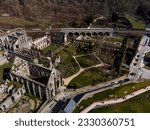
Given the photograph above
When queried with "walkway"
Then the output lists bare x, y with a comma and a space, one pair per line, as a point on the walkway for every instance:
115, 101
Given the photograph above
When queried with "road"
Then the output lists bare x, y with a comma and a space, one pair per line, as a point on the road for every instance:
137, 69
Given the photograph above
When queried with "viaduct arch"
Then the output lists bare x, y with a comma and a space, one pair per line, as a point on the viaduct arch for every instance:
87, 31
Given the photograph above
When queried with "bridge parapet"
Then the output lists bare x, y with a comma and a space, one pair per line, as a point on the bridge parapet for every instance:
87, 30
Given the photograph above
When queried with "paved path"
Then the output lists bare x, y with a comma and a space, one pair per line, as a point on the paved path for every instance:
115, 101
137, 69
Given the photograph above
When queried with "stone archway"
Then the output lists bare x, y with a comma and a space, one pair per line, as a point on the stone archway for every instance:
94, 34
82, 33
88, 34
12, 99
76, 34
100, 34
106, 34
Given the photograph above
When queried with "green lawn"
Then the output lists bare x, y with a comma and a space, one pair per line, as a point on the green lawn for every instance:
136, 24
68, 66
68, 50
16, 84
71, 50
116, 92
89, 77
32, 97
8, 65
138, 104
88, 60
52, 47
63, 54
114, 39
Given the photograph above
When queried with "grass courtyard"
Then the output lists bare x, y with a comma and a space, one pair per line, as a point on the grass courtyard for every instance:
89, 77
52, 47
16, 84
68, 66
112, 93
88, 60
138, 104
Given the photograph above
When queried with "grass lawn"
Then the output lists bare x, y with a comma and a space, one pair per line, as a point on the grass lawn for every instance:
52, 47
71, 50
116, 92
136, 24
32, 97
8, 65
68, 66
63, 54
114, 39
89, 77
138, 104
16, 84
88, 60
68, 50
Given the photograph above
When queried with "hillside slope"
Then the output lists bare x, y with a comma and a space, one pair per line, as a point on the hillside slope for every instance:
66, 11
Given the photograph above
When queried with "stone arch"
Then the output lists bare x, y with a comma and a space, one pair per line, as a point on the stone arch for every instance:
70, 34
82, 33
76, 33
106, 34
17, 46
88, 34
94, 34
100, 34
13, 99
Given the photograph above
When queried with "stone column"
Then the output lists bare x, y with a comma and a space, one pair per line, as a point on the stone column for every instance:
39, 89
28, 87
33, 86
65, 38
47, 94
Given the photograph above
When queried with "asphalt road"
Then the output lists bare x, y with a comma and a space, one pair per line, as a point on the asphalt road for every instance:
137, 66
